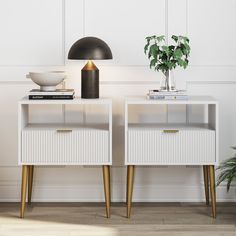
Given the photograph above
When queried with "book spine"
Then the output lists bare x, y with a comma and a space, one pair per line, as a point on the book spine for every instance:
166, 94
50, 93
156, 92
167, 97
53, 97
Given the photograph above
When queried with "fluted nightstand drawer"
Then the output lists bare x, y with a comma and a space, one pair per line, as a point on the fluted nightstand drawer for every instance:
65, 146
171, 146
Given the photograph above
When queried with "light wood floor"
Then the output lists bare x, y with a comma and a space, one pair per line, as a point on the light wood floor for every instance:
49, 219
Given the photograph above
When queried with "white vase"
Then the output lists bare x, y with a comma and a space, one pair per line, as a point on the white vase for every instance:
168, 82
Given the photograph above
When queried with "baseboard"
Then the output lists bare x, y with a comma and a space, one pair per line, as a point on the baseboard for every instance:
10, 192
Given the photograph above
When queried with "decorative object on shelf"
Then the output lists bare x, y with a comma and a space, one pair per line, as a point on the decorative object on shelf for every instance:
37, 94
165, 58
47, 80
90, 48
167, 95
227, 171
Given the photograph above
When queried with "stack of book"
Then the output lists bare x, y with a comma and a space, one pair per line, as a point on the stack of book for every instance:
167, 95
37, 94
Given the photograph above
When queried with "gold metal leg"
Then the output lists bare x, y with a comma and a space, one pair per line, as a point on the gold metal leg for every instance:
130, 181
206, 183
109, 174
30, 182
106, 180
127, 186
23, 190
213, 190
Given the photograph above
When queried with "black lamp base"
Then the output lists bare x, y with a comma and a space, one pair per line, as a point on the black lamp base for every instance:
90, 81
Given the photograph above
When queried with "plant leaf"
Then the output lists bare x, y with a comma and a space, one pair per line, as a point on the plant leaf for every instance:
175, 38
153, 63
146, 48
160, 38
227, 173
154, 50
178, 53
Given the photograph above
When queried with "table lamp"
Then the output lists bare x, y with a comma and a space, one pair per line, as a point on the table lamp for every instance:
90, 48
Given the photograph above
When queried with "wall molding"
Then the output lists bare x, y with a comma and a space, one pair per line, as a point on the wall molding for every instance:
125, 82
167, 20
63, 32
211, 82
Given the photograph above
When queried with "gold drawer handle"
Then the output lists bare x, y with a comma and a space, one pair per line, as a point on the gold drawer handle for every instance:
64, 130
170, 131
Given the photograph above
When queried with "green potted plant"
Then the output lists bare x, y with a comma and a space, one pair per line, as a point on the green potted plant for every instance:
227, 171
165, 58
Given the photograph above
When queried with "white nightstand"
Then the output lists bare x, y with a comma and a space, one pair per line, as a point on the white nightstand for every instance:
173, 144
63, 143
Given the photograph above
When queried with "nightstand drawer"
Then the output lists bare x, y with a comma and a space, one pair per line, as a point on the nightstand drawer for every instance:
65, 146
153, 146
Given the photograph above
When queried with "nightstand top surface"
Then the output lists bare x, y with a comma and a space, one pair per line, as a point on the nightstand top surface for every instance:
76, 100
190, 100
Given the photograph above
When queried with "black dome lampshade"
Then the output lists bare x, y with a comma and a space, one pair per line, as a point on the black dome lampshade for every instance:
90, 48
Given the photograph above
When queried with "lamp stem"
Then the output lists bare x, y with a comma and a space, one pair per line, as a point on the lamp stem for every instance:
90, 81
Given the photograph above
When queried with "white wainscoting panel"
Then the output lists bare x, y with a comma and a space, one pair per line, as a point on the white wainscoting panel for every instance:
210, 74
212, 31
32, 32
36, 35
129, 22
177, 18
225, 93
9, 96
17, 74
74, 22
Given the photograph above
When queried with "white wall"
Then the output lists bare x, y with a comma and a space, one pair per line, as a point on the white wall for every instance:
36, 35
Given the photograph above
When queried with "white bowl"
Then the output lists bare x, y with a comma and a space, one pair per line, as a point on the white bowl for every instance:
47, 80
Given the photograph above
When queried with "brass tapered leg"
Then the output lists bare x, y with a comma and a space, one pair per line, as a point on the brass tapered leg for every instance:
106, 180
206, 183
130, 181
30, 182
213, 190
109, 175
23, 190
127, 186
